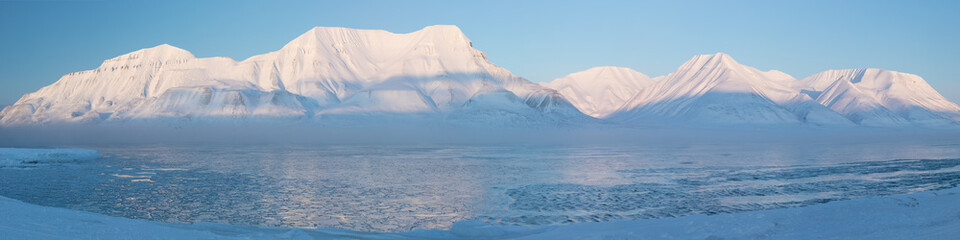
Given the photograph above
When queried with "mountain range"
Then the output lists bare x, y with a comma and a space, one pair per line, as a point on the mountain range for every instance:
351, 76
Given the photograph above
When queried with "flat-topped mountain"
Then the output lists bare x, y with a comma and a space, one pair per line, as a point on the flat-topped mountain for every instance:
324, 72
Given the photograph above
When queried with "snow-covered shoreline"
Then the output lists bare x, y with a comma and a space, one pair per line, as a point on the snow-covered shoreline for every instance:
923, 215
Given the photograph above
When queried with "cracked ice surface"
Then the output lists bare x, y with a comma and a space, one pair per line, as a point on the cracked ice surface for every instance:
725, 191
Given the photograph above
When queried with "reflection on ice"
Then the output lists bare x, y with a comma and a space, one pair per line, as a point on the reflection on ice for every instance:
400, 188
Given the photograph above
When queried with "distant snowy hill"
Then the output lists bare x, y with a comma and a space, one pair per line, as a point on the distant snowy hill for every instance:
879, 97
715, 88
432, 73
600, 91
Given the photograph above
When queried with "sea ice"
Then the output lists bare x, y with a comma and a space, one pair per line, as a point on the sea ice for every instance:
23, 157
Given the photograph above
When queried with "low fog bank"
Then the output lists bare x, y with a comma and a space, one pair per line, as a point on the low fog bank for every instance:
305, 134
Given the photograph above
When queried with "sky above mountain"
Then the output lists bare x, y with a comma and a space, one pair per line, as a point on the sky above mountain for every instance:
539, 40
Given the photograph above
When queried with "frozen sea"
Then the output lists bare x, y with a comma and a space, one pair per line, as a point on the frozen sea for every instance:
394, 188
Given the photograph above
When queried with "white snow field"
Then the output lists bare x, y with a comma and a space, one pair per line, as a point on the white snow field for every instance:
337, 76
24, 157
924, 215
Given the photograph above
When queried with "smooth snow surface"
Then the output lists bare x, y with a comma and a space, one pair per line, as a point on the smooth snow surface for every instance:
22, 157
926, 215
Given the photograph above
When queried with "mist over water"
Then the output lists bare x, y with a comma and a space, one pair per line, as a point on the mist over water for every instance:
406, 133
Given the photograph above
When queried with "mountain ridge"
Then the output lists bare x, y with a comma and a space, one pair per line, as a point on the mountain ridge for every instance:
715, 88
880, 97
435, 73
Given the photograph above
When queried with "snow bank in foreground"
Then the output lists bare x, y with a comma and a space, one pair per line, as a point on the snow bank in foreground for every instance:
925, 215
24, 157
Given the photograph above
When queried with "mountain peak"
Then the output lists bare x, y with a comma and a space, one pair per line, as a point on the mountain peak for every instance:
351, 36
599, 91
707, 63
717, 58
166, 49
608, 68
607, 73
322, 36
861, 76
904, 96
718, 54
165, 46
442, 28
445, 33
431, 28
162, 52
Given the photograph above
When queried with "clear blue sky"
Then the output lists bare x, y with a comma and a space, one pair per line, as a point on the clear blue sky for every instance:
539, 40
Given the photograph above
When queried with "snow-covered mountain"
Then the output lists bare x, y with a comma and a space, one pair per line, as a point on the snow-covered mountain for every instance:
715, 88
326, 71
340, 75
600, 91
870, 96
